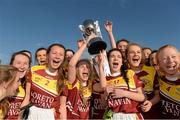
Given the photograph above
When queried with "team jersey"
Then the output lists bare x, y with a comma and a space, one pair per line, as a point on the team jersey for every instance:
43, 91
124, 105
38, 67
154, 112
98, 104
15, 103
170, 98
147, 75
76, 108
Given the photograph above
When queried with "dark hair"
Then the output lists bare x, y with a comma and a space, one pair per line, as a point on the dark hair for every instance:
122, 40
147, 60
39, 49
27, 51
124, 66
70, 50
19, 53
150, 60
154, 51
147, 48
112, 50
23, 51
23, 80
55, 44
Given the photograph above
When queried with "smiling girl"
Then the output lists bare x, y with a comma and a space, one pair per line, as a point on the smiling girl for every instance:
168, 59
124, 89
44, 87
79, 85
147, 75
21, 61
9, 83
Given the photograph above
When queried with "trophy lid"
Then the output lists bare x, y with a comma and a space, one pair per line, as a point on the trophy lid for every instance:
88, 22
96, 45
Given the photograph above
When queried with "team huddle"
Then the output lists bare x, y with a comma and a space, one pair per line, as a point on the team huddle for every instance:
143, 84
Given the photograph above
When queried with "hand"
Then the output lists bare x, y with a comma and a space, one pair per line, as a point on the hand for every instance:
101, 58
109, 89
80, 43
118, 93
108, 26
146, 106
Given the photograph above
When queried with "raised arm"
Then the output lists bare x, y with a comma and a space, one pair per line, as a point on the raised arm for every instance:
75, 58
102, 76
108, 26
73, 62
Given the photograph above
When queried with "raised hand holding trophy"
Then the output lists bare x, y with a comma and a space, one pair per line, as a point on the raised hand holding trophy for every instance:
96, 43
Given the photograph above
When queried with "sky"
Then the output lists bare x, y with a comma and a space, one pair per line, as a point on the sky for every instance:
30, 24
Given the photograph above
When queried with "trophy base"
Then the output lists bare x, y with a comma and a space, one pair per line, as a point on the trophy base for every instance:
96, 45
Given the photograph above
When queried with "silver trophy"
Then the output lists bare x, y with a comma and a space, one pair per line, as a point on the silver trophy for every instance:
96, 44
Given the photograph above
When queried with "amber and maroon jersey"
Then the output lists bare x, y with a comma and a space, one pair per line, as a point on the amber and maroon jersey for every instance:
15, 103
44, 92
98, 104
147, 75
170, 98
76, 109
124, 105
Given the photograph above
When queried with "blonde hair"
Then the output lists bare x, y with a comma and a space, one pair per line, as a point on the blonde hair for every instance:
7, 73
90, 79
162, 48
4, 107
87, 62
62, 76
